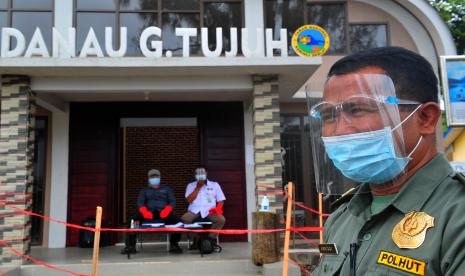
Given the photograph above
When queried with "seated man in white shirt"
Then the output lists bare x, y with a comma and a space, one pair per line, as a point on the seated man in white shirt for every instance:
206, 200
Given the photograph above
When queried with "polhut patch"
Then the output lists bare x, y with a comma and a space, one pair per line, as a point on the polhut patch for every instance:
403, 263
410, 232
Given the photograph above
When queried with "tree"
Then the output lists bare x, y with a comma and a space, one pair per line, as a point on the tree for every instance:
453, 13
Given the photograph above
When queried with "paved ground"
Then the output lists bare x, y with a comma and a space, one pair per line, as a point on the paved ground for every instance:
151, 260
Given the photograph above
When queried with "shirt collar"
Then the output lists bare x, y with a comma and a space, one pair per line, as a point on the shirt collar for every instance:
422, 184
360, 201
414, 192
207, 182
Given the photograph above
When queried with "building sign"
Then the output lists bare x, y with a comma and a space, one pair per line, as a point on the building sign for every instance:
453, 82
150, 43
310, 41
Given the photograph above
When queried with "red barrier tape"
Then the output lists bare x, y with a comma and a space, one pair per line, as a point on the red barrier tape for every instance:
306, 271
18, 201
23, 200
275, 190
307, 229
265, 186
47, 218
2, 242
310, 209
13, 194
281, 193
222, 231
307, 239
17, 240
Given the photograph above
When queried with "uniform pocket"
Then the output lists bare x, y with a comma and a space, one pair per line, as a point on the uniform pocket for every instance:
330, 265
387, 271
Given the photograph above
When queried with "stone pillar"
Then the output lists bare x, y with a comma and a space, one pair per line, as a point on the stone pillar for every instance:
16, 163
267, 142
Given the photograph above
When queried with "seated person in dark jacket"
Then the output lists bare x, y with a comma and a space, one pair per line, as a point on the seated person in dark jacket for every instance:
156, 202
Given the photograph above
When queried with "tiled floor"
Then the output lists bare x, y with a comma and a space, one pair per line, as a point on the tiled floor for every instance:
235, 259
151, 252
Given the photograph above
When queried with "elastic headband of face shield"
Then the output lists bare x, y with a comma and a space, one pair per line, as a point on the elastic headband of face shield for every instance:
356, 133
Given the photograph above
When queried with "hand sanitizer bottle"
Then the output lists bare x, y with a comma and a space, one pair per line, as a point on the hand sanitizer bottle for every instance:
265, 205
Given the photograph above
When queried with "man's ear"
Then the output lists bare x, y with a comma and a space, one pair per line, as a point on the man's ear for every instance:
428, 117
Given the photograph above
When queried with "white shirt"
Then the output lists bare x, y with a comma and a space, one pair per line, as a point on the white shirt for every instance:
208, 196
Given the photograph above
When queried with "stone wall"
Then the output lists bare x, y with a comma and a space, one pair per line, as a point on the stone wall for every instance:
16, 163
267, 144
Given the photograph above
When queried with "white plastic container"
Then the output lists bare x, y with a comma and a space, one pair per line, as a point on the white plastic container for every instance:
265, 205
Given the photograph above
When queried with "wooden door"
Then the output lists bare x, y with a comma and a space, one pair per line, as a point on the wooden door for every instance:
223, 156
91, 169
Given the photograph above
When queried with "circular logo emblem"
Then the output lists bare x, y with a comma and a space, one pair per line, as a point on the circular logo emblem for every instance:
310, 41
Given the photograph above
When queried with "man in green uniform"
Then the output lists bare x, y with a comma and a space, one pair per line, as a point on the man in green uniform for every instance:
376, 124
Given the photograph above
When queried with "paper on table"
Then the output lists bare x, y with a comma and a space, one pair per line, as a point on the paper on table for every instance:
193, 225
152, 225
177, 225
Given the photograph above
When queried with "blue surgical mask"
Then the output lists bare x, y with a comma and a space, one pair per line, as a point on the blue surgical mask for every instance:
200, 177
154, 181
367, 157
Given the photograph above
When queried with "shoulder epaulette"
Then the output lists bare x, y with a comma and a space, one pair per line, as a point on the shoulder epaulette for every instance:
459, 177
344, 197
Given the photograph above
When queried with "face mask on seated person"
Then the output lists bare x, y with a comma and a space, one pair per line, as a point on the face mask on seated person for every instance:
154, 181
200, 177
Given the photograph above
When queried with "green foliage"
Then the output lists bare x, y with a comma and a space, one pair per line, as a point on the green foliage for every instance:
445, 128
453, 13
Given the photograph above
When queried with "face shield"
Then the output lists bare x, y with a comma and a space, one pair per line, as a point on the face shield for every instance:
356, 133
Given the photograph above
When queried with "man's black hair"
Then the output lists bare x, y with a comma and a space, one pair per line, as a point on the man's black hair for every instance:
412, 74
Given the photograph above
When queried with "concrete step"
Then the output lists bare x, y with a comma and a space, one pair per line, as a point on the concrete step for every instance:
168, 268
276, 269
152, 259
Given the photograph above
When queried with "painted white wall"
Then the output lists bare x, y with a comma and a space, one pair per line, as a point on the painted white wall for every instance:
254, 19
413, 26
59, 179
433, 22
293, 71
136, 84
63, 14
63, 20
249, 164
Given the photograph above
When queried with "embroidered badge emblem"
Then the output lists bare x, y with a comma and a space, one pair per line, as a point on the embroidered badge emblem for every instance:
410, 232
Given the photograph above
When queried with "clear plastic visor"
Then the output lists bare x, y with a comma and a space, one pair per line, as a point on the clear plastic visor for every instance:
356, 132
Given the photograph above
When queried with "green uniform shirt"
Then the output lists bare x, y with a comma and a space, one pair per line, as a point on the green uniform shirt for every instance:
378, 203
432, 190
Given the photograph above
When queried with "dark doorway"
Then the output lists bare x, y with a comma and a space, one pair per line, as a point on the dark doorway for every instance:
297, 165
173, 150
96, 165
39, 171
